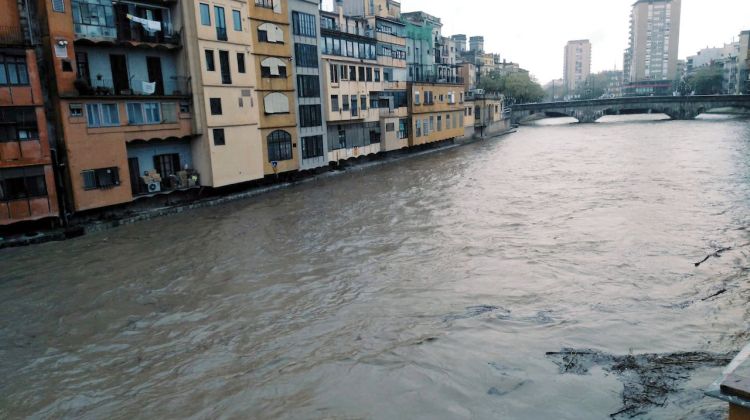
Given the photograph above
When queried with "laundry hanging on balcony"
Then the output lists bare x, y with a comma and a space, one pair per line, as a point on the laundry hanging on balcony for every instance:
148, 88
148, 25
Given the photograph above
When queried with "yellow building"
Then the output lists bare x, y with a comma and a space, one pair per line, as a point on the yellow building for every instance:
436, 112
271, 38
226, 111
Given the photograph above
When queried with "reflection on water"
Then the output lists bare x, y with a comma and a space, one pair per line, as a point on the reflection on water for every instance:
430, 288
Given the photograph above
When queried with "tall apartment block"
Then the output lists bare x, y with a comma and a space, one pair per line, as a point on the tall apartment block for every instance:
227, 148
27, 182
577, 67
651, 58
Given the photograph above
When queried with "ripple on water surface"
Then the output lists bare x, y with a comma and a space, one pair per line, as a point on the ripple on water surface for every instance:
428, 288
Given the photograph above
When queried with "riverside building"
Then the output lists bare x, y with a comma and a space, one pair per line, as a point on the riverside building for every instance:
27, 181
650, 62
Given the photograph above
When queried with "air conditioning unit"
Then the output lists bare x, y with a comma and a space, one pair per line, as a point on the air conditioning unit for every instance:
154, 186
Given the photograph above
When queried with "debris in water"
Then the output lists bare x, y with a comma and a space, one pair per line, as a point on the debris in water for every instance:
717, 253
648, 379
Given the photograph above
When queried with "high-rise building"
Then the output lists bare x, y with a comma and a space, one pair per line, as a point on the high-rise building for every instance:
577, 65
27, 183
651, 58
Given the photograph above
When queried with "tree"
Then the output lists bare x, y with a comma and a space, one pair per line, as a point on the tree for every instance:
707, 80
518, 87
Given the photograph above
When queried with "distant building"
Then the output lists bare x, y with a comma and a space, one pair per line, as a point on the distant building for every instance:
476, 43
650, 62
743, 63
724, 58
577, 65
460, 41
613, 83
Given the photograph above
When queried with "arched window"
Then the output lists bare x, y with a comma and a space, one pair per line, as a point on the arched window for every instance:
273, 67
268, 32
276, 103
279, 146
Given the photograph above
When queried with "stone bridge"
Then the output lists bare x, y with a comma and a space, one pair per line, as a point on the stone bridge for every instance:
588, 111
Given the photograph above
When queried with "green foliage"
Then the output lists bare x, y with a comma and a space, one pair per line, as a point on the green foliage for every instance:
517, 87
707, 81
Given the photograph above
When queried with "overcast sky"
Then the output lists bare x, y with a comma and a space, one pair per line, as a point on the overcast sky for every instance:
534, 32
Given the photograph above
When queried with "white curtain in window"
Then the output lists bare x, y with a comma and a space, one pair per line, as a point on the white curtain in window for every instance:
274, 32
276, 103
273, 63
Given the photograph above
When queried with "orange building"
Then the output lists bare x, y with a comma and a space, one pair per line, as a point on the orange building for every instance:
119, 79
27, 184
437, 112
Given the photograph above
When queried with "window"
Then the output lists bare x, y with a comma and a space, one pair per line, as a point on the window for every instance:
342, 140
308, 86
210, 65
221, 23
273, 67
310, 116
369, 74
279, 146
344, 73
354, 106
226, 73
215, 106
353, 73
276, 103
13, 70
304, 24
102, 115
268, 32
169, 112
426, 127
335, 103
390, 127
237, 20
184, 107
241, 62
219, 139
377, 75
22, 183
205, 15
76, 110
100, 178
58, 6
432, 124
144, 113
416, 98
306, 55
361, 74
403, 128
363, 102
334, 69
312, 147
345, 103
440, 123
18, 124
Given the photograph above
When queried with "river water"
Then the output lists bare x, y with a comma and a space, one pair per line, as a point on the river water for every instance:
427, 288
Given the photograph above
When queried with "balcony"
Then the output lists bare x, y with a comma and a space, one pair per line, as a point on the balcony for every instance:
123, 22
221, 33
11, 35
178, 86
434, 79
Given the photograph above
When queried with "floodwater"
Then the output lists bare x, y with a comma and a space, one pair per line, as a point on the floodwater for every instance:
428, 288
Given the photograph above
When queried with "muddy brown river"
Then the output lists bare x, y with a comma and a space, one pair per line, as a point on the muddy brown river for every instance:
429, 288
